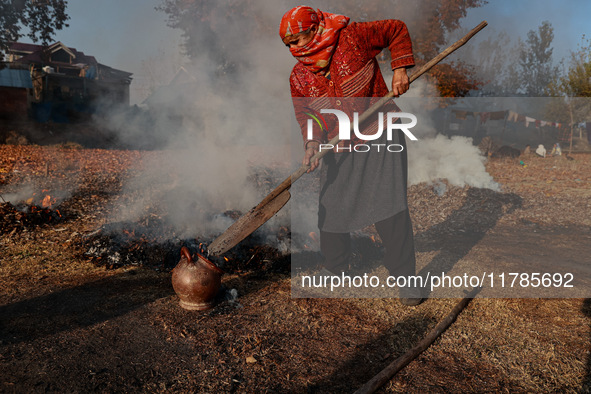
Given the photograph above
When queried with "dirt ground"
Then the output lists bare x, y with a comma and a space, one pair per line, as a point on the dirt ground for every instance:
69, 325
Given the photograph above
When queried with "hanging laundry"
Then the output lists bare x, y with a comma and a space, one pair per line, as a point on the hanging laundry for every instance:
498, 115
513, 116
529, 120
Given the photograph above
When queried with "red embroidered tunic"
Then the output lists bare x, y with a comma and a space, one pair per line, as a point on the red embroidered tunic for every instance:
354, 72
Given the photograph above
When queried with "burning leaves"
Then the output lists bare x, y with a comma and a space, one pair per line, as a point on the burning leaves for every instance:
119, 244
151, 242
43, 200
15, 218
155, 245
48, 201
295, 342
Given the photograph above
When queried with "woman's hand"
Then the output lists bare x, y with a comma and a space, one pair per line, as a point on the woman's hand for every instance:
311, 149
400, 81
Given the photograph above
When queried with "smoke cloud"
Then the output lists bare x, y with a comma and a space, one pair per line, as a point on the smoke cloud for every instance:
453, 158
217, 126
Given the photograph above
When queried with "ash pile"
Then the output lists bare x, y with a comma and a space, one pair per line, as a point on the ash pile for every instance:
152, 242
155, 245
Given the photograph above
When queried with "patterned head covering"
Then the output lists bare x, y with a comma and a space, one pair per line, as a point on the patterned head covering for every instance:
297, 20
317, 53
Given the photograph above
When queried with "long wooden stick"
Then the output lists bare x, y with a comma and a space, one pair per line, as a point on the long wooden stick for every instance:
286, 184
257, 216
393, 368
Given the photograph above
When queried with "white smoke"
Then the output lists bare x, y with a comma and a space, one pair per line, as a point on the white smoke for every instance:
233, 123
214, 131
23, 193
453, 158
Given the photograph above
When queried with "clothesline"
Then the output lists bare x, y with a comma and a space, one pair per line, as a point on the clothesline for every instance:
509, 115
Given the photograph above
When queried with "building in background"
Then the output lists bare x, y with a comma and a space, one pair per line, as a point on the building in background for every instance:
16, 90
60, 84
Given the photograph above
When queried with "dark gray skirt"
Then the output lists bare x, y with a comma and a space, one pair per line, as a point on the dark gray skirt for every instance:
358, 189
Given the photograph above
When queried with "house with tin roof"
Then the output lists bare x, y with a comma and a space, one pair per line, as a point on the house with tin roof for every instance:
58, 83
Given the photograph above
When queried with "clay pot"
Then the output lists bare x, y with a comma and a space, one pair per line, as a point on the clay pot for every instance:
196, 282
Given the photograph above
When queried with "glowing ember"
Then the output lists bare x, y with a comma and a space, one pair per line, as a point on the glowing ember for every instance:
47, 201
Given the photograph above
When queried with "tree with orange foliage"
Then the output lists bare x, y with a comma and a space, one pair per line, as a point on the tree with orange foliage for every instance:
429, 23
454, 79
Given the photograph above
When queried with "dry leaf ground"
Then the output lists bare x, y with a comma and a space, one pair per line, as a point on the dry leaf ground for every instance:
67, 325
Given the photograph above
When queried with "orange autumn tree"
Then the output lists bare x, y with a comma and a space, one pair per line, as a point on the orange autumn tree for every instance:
429, 23
212, 28
454, 79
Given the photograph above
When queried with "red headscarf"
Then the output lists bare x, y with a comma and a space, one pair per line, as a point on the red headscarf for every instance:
317, 53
